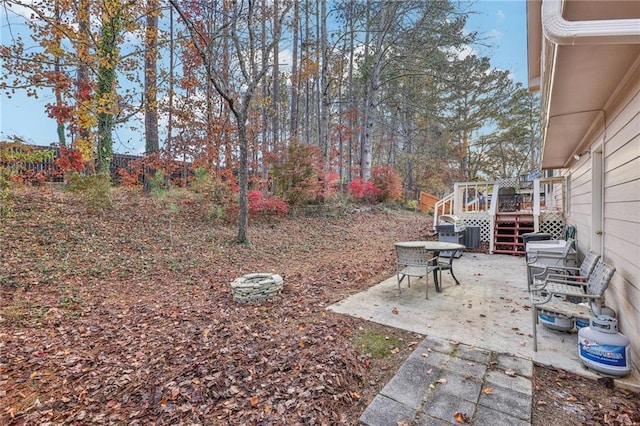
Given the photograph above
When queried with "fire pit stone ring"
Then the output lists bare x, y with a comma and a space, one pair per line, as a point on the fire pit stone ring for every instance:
256, 288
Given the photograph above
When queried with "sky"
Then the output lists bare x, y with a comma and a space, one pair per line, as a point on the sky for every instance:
501, 23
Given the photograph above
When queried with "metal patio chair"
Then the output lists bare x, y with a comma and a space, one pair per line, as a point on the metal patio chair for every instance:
576, 300
415, 262
566, 274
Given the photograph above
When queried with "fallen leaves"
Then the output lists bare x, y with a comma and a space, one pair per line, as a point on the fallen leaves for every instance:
137, 326
565, 398
441, 381
254, 400
142, 329
462, 418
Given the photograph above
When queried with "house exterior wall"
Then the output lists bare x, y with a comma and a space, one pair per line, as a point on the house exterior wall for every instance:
619, 145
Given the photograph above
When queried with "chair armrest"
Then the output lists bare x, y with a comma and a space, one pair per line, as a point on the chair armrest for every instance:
547, 268
548, 282
558, 278
567, 279
560, 268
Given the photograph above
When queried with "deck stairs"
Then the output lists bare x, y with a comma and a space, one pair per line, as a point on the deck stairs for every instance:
508, 230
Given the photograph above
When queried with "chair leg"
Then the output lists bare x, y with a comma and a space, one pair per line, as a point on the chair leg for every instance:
399, 281
426, 279
534, 313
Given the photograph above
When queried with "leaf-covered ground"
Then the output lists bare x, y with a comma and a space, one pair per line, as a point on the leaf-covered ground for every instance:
125, 316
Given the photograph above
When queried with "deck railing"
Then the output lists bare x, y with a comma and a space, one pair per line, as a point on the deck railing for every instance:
443, 206
471, 198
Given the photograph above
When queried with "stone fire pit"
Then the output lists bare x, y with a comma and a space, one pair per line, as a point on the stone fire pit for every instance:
256, 288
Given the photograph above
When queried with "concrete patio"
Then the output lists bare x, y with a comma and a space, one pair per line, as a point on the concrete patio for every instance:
488, 310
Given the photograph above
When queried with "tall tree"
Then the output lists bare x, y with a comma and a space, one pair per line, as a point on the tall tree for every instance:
295, 28
169, 141
513, 148
85, 48
57, 68
323, 127
276, 79
106, 99
152, 143
382, 24
84, 87
476, 98
242, 32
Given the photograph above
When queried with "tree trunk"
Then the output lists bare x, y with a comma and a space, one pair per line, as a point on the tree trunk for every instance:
60, 120
352, 103
366, 94
293, 122
108, 54
152, 144
169, 144
323, 128
276, 82
243, 177
83, 87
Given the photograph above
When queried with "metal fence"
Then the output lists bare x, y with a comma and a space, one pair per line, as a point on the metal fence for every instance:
46, 169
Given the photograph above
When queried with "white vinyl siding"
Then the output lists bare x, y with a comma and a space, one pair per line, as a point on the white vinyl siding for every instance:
621, 199
622, 214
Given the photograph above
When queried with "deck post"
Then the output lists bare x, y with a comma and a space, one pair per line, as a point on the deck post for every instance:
536, 205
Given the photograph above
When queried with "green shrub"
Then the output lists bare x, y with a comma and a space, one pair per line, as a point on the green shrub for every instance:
6, 201
413, 204
95, 188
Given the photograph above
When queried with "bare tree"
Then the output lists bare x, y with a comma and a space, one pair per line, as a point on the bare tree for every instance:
242, 31
383, 23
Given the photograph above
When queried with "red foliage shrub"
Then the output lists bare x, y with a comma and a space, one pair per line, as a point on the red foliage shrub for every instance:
128, 178
388, 181
361, 190
298, 177
70, 159
270, 205
331, 183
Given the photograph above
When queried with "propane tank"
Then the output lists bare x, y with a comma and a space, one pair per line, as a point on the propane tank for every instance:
555, 321
602, 348
584, 322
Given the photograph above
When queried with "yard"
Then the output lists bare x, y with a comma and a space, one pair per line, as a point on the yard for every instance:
125, 316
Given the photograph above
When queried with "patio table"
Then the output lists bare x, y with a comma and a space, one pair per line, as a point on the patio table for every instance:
436, 247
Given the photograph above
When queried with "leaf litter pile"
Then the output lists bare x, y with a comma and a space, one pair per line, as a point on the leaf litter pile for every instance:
125, 316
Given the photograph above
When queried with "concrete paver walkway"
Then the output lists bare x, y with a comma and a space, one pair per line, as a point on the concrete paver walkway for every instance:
441, 380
